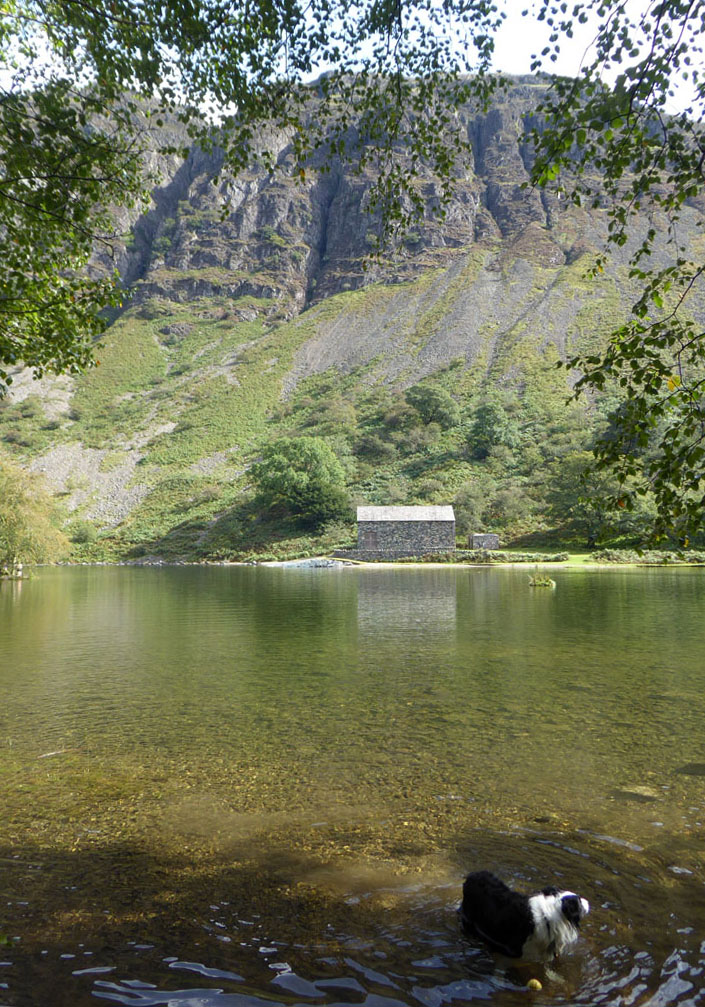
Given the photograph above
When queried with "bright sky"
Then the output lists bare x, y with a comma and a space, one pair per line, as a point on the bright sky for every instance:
522, 37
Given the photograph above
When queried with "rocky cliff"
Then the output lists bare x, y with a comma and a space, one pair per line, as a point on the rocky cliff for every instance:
298, 241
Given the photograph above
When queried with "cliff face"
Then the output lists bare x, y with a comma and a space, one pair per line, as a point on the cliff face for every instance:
296, 242
250, 316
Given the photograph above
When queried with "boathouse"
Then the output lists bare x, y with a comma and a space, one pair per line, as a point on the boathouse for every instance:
404, 531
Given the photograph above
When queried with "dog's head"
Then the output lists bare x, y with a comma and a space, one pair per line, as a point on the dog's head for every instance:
572, 906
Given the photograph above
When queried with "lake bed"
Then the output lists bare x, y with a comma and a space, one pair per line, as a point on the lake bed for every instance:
236, 785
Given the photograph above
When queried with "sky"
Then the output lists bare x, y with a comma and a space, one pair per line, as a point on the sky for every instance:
520, 38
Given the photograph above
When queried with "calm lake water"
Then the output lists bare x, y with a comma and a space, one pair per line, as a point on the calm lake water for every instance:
240, 787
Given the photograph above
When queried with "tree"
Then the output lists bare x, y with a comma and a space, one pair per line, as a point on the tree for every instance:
28, 531
63, 162
434, 405
619, 148
581, 501
492, 427
304, 475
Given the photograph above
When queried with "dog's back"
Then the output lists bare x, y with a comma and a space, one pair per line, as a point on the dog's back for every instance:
493, 912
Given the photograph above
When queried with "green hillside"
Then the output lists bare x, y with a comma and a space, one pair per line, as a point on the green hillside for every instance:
156, 442
253, 312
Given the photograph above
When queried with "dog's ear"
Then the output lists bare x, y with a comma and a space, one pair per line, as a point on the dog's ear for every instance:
570, 906
550, 890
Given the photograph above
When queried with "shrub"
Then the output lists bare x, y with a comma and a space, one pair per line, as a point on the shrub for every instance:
419, 439
29, 408
16, 436
434, 405
399, 415
82, 532
28, 532
647, 556
153, 308
304, 475
373, 446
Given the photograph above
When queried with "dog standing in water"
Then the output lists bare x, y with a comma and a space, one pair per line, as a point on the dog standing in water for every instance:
535, 927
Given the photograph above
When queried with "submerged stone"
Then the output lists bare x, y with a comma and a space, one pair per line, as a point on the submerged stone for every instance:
692, 769
637, 793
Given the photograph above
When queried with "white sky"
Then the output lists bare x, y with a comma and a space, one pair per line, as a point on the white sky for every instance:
520, 38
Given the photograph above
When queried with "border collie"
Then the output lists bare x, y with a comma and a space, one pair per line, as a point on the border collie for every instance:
535, 927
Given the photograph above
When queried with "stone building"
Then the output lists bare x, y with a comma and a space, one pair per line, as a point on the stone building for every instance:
484, 540
404, 531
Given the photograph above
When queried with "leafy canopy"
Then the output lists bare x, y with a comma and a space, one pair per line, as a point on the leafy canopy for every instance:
72, 130
304, 475
619, 148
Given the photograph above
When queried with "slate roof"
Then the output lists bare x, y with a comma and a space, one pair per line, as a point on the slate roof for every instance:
433, 513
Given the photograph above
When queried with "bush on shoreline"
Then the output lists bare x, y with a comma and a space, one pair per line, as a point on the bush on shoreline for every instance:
648, 557
486, 556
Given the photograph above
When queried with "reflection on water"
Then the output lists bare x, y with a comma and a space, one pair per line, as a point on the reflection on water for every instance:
388, 610
237, 786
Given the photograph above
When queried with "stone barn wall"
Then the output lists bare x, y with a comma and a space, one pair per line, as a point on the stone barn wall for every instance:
484, 541
392, 532
406, 538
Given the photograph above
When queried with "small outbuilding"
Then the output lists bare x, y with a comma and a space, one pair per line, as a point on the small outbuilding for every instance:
485, 540
405, 531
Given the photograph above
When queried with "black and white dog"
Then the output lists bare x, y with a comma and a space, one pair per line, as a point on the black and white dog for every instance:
536, 927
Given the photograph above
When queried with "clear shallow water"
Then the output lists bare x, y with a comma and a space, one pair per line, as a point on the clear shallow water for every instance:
232, 786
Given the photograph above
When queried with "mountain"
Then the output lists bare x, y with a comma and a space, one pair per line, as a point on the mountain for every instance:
269, 319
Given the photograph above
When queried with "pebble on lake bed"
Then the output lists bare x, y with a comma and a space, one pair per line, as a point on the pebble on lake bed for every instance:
534, 984
637, 793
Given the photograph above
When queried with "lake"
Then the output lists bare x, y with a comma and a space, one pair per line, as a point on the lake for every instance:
240, 786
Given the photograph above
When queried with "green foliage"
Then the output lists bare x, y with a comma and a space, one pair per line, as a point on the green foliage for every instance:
434, 405
649, 557
28, 531
60, 174
334, 416
375, 448
82, 532
304, 475
399, 415
222, 387
487, 556
269, 234
70, 152
584, 500
162, 244
469, 506
491, 427
619, 149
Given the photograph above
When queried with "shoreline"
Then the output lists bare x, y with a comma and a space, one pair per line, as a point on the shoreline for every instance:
327, 562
